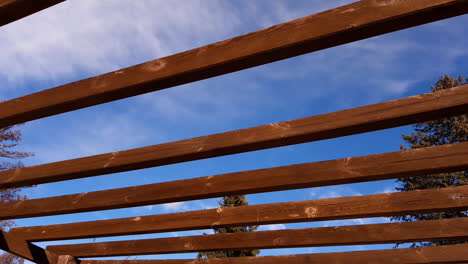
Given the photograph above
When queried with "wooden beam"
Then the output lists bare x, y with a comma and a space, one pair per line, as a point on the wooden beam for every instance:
389, 114
22, 248
12, 10
360, 20
447, 158
436, 230
378, 205
426, 255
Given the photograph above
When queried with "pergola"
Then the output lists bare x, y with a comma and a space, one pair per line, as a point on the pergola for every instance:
345, 24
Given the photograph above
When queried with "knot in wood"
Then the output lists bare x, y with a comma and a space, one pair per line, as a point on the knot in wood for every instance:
310, 211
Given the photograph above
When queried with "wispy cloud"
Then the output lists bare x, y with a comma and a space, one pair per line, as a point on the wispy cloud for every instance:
88, 135
98, 36
273, 227
333, 192
173, 207
389, 189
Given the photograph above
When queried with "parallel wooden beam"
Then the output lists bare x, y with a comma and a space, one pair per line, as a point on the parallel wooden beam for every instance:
378, 205
353, 121
12, 10
22, 248
447, 158
345, 24
436, 230
427, 255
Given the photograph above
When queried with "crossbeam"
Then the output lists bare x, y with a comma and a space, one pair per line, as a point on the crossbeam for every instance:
377, 205
12, 10
435, 230
426, 255
439, 159
22, 248
356, 21
421, 108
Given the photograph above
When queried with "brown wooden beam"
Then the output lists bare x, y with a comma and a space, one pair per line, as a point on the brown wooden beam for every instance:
12, 10
22, 248
426, 255
378, 205
447, 158
389, 114
436, 230
360, 20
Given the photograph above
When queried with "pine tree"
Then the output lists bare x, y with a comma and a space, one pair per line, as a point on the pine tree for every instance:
9, 159
231, 201
434, 133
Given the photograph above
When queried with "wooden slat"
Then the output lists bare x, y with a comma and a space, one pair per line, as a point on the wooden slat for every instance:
447, 158
20, 247
436, 230
12, 10
378, 205
426, 255
353, 121
345, 24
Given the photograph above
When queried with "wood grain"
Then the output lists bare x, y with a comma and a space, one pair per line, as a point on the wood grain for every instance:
356, 21
435, 230
378, 205
12, 10
426, 255
447, 158
389, 114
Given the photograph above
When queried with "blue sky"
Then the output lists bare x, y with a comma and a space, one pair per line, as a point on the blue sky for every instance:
81, 39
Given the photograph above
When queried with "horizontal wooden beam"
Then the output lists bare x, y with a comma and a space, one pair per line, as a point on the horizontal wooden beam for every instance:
345, 24
378, 205
436, 230
426, 255
353, 121
12, 10
439, 159
22, 248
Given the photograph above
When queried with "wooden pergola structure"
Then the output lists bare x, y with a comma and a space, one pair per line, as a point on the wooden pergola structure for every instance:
334, 27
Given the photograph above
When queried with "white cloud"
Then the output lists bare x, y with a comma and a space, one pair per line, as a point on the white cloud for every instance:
396, 86
389, 189
273, 227
99, 36
172, 207
203, 205
89, 135
332, 192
